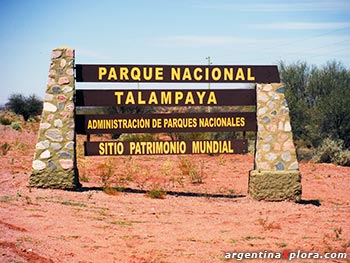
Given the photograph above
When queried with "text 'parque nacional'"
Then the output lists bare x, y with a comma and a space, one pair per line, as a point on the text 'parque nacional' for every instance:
176, 73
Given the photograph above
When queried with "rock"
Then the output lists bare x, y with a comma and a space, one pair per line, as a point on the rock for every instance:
58, 123
56, 54
63, 80
51, 81
49, 107
45, 125
56, 89
286, 156
63, 63
69, 146
61, 97
60, 106
48, 97
51, 165
262, 111
66, 164
279, 166
64, 154
271, 156
54, 135
45, 154
50, 117
293, 166
266, 119
42, 145
280, 90
287, 127
70, 135
56, 146
70, 72
70, 52
67, 89
70, 107
38, 165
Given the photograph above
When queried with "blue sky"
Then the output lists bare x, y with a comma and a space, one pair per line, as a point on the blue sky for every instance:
167, 32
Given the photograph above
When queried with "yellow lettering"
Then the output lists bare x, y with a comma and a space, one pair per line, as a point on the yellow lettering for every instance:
140, 101
178, 96
187, 74
165, 97
135, 73
228, 73
200, 96
119, 95
153, 98
112, 74
175, 73
212, 98
250, 77
149, 76
101, 150
189, 98
123, 74
240, 74
159, 73
130, 98
216, 74
89, 126
101, 72
196, 74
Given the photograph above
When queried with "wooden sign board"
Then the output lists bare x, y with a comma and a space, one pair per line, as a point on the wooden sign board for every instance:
106, 148
227, 97
172, 122
177, 73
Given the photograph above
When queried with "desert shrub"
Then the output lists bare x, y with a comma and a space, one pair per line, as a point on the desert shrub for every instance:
304, 153
332, 151
4, 120
16, 126
343, 158
5, 147
26, 106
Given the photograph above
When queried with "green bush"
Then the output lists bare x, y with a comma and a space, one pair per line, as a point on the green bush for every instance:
332, 151
16, 126
4, 120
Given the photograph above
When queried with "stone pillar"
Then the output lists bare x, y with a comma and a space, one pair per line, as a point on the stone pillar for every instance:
276, 175
54, 164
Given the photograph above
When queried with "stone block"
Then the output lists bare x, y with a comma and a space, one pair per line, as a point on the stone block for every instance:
275, 185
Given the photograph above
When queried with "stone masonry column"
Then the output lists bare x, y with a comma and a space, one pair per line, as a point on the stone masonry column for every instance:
54, 164
276, 175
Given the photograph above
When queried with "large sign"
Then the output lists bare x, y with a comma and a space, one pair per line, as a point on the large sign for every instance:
169, 122
176, 73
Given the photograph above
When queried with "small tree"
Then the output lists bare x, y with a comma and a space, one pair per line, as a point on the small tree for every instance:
26, 106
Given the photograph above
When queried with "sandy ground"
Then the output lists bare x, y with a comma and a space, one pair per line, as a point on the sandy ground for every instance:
205, 213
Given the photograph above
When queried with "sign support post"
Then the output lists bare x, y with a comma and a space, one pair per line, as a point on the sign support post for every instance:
276, 174
54, 164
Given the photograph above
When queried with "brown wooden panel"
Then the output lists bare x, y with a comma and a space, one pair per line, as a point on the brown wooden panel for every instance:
177, 73
106, 148
174, 122
227, 97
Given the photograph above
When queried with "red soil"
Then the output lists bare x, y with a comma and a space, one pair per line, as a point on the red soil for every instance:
195, 222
